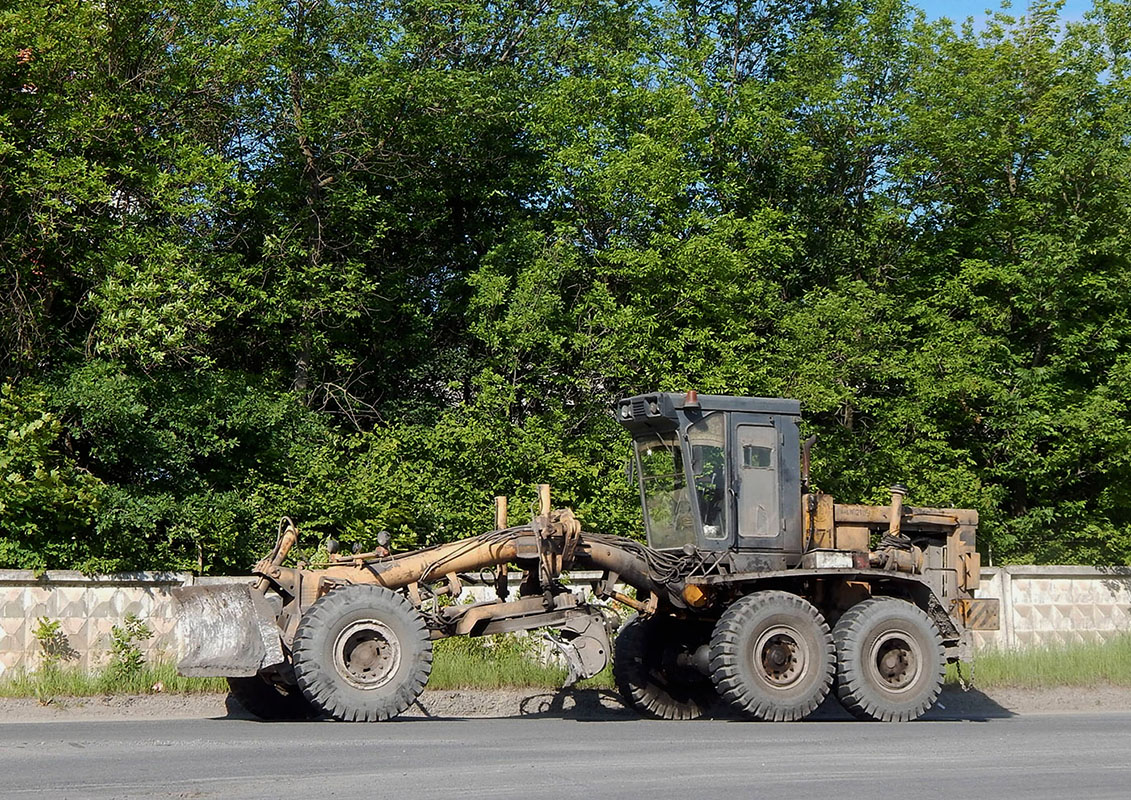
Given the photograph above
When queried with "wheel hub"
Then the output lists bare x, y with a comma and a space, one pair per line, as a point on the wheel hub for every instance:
367, 654
781, 656
897, 660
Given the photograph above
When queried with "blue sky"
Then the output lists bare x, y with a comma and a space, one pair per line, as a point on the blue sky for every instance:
959, 10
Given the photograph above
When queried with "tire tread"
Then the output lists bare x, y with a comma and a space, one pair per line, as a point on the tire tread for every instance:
638, 691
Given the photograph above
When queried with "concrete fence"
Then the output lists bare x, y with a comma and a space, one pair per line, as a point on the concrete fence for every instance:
87, 607
1057, 605
1039, 606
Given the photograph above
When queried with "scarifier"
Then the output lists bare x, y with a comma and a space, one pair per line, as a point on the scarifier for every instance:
754, 590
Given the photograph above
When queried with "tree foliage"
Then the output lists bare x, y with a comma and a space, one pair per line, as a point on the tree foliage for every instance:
369, 262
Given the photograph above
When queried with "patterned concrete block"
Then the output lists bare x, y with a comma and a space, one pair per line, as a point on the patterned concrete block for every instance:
66, 601
35, 601
12, 602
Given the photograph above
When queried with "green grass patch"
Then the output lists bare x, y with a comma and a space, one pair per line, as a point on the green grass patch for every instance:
494, 662
1046, 667
65, 681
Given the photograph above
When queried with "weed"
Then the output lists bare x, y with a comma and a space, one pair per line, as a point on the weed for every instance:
126, 658
56, 650
53, 643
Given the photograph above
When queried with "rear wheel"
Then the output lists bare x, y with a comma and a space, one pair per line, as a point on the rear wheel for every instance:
269, 700
890, 660
772, 656
652, 673
362, 653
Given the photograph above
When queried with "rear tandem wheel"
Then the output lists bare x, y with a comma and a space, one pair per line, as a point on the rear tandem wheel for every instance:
772, 656
890, 660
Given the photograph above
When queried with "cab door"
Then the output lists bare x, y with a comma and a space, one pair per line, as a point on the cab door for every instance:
765, 469
757, 453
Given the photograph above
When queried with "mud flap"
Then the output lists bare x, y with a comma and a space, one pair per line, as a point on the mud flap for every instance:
226, 630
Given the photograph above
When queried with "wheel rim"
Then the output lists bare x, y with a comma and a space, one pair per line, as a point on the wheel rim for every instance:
781, 656
367, 654
896, 661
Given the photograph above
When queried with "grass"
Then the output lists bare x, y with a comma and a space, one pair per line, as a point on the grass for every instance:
500, 662
1078, 665
64, 681
512, 662
460, 663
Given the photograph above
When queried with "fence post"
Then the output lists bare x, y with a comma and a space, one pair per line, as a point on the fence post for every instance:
1009, 641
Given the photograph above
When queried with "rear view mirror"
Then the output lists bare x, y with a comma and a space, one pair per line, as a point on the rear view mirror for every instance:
630, 471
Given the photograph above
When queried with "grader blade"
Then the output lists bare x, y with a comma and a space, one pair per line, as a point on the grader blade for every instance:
226, 630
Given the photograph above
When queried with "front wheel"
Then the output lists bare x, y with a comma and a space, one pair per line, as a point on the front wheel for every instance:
362, 654
890, 660
772, 656
270, 701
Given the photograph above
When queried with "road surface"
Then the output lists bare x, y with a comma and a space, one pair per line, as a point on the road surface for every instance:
1053, 756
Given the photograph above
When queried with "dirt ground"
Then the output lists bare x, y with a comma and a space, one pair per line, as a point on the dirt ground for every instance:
582, 704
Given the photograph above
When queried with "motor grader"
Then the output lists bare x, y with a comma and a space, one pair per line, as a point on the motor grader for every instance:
754, 590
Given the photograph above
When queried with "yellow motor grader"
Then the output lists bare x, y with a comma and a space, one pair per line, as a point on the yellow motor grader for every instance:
753, 590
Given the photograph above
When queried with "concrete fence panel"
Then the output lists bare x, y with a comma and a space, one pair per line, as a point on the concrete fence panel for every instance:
86, 607
1054, 605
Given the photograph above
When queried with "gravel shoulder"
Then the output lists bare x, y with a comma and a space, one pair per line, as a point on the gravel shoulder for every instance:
589, 704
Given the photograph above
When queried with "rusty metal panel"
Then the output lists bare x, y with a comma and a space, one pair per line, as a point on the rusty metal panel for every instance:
861, 515
968, 527
822, 523
852, 537
972, 562
912, 516
963, 559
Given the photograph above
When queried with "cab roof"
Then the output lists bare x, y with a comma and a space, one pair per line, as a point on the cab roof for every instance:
666, 404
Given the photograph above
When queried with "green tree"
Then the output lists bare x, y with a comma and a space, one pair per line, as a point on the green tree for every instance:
47, 504
1016, 175
369, 262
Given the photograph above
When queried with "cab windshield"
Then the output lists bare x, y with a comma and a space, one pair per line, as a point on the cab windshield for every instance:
667, 508
670, 510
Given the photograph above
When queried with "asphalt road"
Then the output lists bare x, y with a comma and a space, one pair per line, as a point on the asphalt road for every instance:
550, 756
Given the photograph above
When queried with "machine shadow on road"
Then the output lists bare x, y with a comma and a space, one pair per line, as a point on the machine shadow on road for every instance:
605, 704
954, 705
602, 705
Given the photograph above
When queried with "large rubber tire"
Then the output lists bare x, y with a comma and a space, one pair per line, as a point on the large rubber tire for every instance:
362, 654
890, 660
647, 675
270, 701
772, 656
